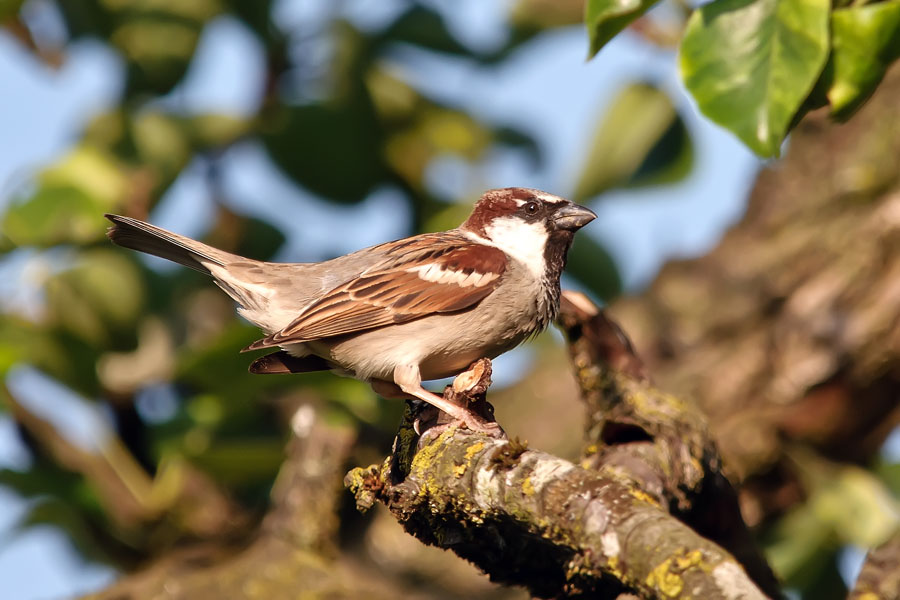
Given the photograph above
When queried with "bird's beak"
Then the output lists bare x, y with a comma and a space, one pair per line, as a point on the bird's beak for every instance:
573, 217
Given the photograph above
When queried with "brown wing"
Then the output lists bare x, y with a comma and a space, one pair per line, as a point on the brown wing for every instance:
415, 280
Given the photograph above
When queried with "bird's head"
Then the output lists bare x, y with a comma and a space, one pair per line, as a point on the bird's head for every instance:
533, 226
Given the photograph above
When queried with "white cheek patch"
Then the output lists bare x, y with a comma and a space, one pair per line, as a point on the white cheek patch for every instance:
521, 240
436, 273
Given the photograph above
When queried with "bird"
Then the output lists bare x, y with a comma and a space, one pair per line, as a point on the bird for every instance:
406, 311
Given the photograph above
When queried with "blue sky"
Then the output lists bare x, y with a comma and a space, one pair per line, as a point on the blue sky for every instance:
548, 86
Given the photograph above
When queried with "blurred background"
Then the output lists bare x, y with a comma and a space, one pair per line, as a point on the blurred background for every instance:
298, 130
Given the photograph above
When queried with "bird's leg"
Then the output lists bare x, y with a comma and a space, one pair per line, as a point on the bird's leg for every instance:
409, 380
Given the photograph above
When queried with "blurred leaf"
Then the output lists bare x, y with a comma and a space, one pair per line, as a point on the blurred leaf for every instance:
161, 141
69, 202
424, 27
419, 130
24, 341
543, 14
258, 239
859, 507
215, 130
605, 18
591, 264
847, 505
865, 40
158, 41
156, 37
220, 368
257, 16
890, 475
799, 547
448, 217
641, 140
100, 296
9, 9
751, 63
519, 140
244, 462
333, 151
53, 215
43, 479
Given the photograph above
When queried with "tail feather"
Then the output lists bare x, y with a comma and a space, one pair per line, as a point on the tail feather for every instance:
144, 237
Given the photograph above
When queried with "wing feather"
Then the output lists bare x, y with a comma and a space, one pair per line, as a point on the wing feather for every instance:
441, 274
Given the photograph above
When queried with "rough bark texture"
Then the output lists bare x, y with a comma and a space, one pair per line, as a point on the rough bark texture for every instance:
879, 578
658, 441
529, 518
789, 330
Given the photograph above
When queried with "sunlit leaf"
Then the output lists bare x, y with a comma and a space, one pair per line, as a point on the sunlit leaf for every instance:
69, 201
847, 505
605, 18
543, 14
641, 139
751, 63
53, 215
865, 40
215, 130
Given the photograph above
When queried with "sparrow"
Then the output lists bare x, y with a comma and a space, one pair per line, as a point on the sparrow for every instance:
420, 308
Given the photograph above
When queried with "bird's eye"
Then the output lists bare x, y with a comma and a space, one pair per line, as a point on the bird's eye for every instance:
531, 208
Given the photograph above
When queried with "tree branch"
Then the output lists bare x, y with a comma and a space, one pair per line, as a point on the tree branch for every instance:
662, 443
880, 574
528, 518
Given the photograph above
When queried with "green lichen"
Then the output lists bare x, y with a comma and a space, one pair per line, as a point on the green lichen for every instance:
474, 449
527, 487
667, 576
643, 496
364, 483
663, 579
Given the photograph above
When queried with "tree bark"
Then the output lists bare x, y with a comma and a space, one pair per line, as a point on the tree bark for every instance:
597, 530
789, 330
879, 578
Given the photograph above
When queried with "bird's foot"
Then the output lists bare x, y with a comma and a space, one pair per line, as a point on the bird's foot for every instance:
463, 405
429, 422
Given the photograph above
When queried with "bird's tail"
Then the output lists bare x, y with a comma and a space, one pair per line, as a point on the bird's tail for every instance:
144, 237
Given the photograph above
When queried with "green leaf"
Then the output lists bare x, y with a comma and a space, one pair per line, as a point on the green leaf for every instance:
68, 203
424, 27
641, 140
101, 296
750, 64
865, 40
605, 18
333, 151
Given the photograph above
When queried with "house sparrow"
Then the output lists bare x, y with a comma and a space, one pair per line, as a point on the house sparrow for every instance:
420, 308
